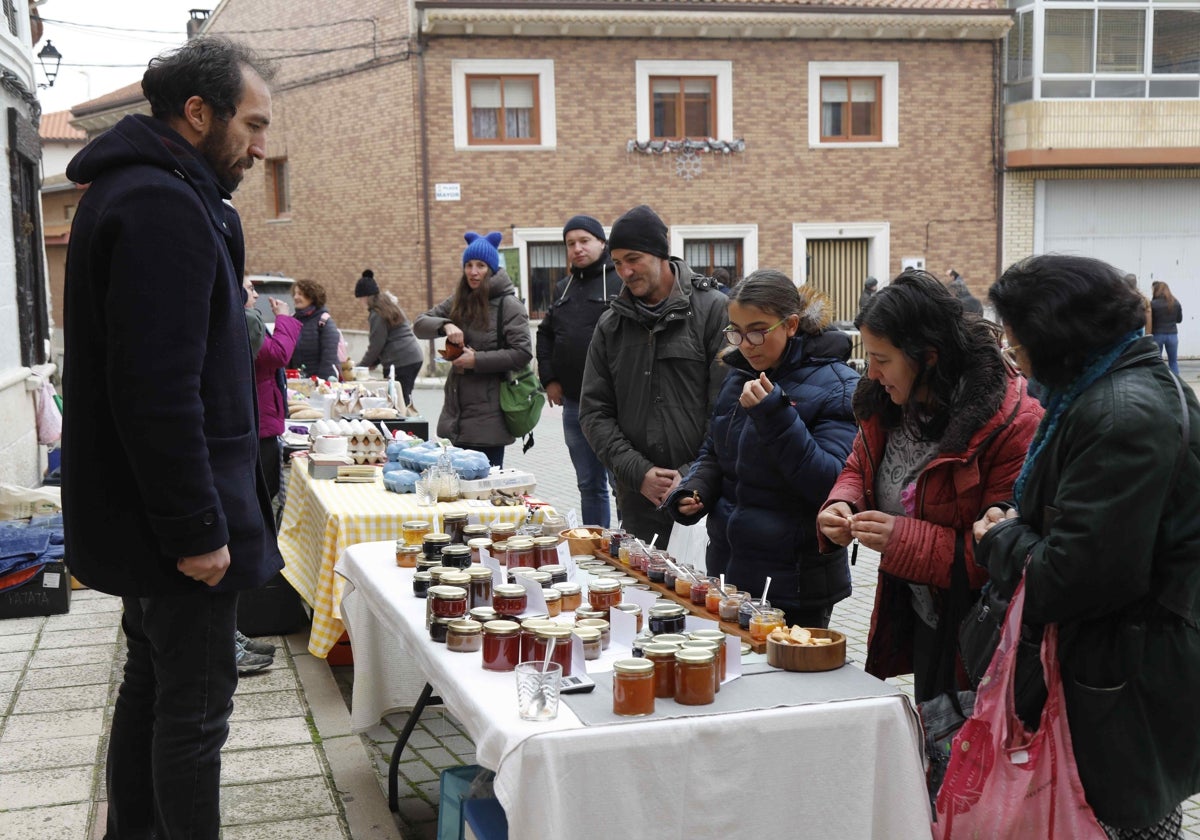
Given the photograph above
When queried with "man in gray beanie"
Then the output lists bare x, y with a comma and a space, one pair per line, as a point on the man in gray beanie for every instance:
653, 372
563, 336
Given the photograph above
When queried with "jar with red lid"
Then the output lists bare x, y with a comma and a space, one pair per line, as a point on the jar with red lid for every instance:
501, 645
633, 687
456, 556
572, 595
663, 657
604, 594
481, 586
695, 677
509, 599
561, 634
545, 551
520, 552
464, 636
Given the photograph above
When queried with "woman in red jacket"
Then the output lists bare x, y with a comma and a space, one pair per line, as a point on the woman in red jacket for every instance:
944, 424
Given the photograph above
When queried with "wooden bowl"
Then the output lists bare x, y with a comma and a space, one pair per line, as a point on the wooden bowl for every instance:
585, 545
809, 658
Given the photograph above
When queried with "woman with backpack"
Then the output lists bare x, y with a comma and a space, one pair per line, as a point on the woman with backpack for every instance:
487, 337
317, 348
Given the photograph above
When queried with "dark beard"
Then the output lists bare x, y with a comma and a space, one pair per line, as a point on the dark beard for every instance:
212, 149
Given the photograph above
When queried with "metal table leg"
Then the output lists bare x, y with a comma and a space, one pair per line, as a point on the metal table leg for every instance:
426, 699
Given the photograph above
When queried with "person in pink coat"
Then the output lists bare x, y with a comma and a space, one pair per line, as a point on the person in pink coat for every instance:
274, 353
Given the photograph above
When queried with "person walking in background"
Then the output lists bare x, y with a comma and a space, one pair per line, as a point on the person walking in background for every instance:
870, 285
1104, 527
653, 371
317, 348
563, 338
487, 337
1166, 314
1131, 282
162, 502
390, 342
958, 286
780, 433
945, 423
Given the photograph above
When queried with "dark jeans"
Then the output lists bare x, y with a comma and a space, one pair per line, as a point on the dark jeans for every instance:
590, 475
172, 717
495, 454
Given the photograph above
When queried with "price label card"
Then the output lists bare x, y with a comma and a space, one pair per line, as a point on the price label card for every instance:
572, 518
492, 563
695, 622
623, 626
733, 658
535, 601
566, 560
578, 663
644, 598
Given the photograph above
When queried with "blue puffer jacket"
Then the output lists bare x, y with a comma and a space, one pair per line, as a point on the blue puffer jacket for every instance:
763, 473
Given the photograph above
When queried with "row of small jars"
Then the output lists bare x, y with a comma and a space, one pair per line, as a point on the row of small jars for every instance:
687, 669
503, 642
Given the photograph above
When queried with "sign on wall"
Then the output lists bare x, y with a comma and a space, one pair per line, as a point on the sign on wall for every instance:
447, 192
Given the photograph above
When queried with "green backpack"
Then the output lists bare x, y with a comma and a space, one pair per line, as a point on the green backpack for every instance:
521, 395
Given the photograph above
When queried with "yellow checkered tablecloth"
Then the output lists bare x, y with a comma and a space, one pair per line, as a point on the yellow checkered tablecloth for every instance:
323, 518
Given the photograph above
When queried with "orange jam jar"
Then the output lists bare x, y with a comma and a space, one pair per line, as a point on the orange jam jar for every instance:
683, 586
663, 657
715, 648
572, 595
763, 622
407, 555
633, 687
717, 636
553, 601
695, 677
501, 645
712, 601
604, 594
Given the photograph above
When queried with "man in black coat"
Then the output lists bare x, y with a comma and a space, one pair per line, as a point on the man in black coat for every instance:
163, 501
563, 337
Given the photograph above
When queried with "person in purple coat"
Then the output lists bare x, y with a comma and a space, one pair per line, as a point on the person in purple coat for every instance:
273, 352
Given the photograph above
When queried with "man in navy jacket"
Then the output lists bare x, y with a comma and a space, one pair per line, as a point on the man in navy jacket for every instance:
163, 501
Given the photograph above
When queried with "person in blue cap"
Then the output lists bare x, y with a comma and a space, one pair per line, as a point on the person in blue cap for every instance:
486, 328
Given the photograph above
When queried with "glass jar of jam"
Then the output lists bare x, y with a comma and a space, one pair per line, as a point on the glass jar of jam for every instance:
529, 639
432, 544
699, 592
499, 550
590, 638
529, 577
414, 530
615, 536
471, 532
585, 612
483, 614
633, 687
635, 556
683, 585
572, 594
553, 601
464, 636
448, 601
436, 572
715, 648
520, 552
481, 586
712, 601
656, 570
695, 677
421, 584
453, 524
502, 531
406, 555
557, 572
439, 628
501, 645
545, 551
561, 634
747, 608
424, 565
600, 624
604, 594
718, 637
476, 544
676, 639
669, 579
729, 606
670, 618
663, 657
456, 577
763, 622
509, 599
635, 611
456, 555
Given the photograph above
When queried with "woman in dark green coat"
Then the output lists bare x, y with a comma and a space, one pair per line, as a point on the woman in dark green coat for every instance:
1106, 526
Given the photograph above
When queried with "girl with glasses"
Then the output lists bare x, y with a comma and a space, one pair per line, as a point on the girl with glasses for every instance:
780, 432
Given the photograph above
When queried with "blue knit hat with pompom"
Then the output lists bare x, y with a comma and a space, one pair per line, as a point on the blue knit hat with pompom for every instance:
483, 248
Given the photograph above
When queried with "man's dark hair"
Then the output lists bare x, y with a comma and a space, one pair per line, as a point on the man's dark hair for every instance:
209, 67
1063, 310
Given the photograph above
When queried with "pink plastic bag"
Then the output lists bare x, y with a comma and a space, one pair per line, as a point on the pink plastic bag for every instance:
1003, 781
49, 419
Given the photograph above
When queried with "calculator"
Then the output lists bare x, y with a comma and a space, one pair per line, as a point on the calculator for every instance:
576, 684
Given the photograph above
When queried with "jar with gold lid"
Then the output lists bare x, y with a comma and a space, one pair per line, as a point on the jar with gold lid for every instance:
433, 543
502, 531
407, 555
663, 657
477, 544
553, 601
561, 634
572, 595
600, 624
464, 636
453, 524
509, 599
695, 677
475, 531
545, 551
557, 572
520, 552
603, 594
633, 687
413, 531
501, 645
481, 585
456, 555
590, 638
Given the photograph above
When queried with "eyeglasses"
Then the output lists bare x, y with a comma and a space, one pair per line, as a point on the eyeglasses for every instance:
755, 337
1010, 354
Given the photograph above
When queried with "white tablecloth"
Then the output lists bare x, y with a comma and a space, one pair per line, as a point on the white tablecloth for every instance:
850, 769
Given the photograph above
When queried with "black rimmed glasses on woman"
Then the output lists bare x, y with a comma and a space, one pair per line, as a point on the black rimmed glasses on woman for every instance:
755, 337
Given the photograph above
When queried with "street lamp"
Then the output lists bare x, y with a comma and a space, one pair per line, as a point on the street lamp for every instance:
50, 58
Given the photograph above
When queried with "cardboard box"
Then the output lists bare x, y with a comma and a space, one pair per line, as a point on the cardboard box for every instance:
46, 593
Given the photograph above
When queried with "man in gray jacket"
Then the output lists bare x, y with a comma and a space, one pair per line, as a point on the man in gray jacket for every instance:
652, 372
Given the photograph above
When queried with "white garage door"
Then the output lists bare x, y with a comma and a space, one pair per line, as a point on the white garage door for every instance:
1150, 228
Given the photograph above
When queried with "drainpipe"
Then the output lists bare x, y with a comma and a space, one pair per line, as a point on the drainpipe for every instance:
425, 209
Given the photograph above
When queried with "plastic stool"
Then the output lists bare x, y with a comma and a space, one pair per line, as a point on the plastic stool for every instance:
485, 820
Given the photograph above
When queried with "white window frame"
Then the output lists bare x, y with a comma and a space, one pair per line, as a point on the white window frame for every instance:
460, 69
889, 112
722, 71
747, 233
878, 248
522, 238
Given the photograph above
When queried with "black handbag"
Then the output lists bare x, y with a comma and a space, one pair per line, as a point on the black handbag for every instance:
979, 633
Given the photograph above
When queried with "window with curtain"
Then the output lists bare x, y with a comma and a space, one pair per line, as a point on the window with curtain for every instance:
683, 107
850, 109
707, 255
503, 109
547, 265
278, 188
